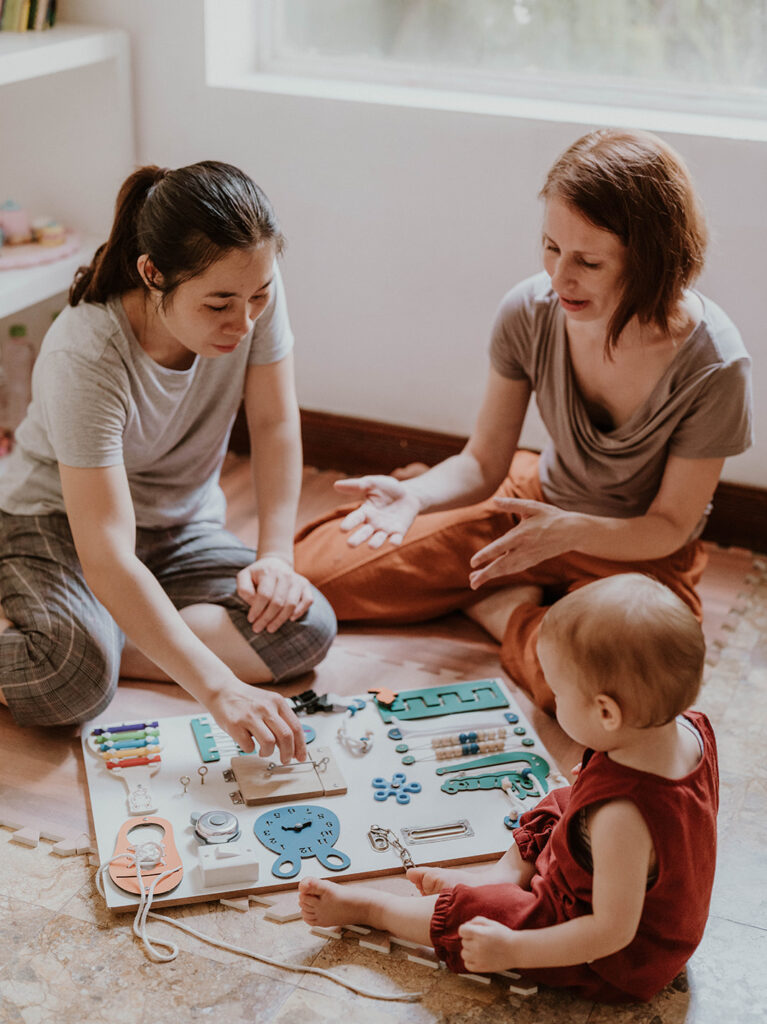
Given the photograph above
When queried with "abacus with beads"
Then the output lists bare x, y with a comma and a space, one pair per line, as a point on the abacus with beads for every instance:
452, 745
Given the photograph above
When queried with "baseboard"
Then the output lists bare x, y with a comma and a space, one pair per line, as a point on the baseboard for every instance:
353, 445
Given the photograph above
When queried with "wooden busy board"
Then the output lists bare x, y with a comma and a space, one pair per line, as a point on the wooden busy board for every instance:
443, 823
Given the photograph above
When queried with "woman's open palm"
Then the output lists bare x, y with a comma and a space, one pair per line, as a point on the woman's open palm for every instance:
387, 511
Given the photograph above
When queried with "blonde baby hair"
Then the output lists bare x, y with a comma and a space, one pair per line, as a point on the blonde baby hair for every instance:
633, 639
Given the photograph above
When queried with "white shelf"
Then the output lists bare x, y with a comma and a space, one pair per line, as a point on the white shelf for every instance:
25, 55
25, 287
106, 147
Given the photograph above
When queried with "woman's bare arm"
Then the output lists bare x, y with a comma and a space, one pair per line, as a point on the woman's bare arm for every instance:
389, 506
545, 531
101, 517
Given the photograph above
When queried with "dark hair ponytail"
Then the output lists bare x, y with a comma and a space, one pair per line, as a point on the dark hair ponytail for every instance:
183, 220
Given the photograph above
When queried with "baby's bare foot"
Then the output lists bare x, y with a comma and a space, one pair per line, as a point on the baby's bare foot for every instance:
326, 903
430, 881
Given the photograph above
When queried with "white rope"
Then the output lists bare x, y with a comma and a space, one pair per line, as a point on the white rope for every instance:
355, 745
405, 997
149, 855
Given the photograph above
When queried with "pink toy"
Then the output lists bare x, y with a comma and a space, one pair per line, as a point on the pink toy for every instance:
31, 255
15, 223
47, 231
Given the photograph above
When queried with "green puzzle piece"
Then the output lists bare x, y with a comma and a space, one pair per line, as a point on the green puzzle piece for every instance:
447, 699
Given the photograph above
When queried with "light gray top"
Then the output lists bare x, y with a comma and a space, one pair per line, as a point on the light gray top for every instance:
699, 409
99, 400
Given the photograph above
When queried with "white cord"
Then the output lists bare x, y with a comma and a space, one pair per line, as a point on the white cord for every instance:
406, 997
150, 854
355, 745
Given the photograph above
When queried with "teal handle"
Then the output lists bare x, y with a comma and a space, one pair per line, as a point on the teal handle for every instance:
508, 757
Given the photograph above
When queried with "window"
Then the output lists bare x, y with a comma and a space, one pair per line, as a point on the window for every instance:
700, 55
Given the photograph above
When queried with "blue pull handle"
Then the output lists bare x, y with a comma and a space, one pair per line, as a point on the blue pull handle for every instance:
332, 859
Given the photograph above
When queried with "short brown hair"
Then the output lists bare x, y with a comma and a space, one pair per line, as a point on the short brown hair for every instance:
632, 638
636, 186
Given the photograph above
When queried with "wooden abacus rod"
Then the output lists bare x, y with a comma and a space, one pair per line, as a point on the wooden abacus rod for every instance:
406, 733
455, 738
446, 753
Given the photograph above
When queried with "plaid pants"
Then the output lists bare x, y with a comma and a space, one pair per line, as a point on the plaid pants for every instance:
60, 662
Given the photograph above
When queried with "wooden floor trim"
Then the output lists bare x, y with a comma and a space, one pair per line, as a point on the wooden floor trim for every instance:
353, 445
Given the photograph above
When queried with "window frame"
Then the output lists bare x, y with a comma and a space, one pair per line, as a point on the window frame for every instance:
240, 54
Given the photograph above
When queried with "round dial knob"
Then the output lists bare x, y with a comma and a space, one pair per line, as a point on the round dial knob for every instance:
216, 826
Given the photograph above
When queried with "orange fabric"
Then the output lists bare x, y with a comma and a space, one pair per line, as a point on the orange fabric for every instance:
427, 575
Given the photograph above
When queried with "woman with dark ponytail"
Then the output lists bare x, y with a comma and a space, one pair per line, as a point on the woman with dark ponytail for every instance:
113, 556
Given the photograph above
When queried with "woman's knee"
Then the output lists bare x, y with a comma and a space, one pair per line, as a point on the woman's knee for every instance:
61, 678
303, 644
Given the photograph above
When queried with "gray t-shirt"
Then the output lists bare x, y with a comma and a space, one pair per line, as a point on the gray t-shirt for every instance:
699, 409
99, 400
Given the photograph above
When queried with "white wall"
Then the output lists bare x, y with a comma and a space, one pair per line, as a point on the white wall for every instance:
406, 226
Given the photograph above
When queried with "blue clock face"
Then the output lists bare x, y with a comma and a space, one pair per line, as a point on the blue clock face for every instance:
297, 832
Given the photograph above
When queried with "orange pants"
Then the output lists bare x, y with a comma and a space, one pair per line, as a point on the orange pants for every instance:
427, 575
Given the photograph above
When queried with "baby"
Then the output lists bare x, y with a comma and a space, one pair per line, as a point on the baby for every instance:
607, 886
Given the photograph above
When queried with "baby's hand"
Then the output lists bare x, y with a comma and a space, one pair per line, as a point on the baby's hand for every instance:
486, 946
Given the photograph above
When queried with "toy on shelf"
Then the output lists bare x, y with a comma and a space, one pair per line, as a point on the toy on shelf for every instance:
47, 231
29, 245
15, 223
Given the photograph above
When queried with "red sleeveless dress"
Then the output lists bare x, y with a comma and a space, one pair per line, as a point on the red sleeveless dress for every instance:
681, 817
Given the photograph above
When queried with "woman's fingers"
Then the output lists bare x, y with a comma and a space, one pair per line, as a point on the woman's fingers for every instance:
352, 485
246, 588
492, 550
270, 724
354, 519
361, 535
304, 602
263, 596
497, 568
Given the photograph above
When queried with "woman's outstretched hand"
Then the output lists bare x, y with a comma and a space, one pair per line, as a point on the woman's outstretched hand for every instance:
542, 531
387, 511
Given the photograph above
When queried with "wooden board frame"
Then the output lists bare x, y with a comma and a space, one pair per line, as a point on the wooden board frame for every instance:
357, 809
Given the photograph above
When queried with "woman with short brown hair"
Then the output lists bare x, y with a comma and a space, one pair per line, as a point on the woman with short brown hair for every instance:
643, 385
